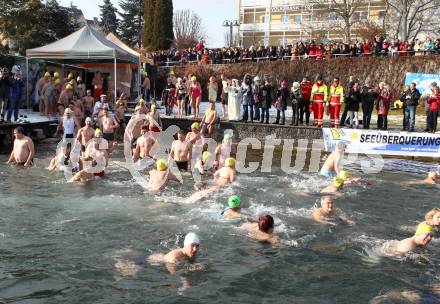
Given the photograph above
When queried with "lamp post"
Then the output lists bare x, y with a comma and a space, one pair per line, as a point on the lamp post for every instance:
231, 24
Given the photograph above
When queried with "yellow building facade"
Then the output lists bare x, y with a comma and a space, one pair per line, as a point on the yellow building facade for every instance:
281, 22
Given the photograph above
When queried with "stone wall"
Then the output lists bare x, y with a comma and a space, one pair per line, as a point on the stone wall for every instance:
389, 69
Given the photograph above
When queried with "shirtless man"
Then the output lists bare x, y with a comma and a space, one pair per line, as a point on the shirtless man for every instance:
332, 164
421, 238
108, 126
224, 150
133, 129
181, 152
48, 95
80, 88
160, 176
226, 175
327, 212
88, 103
189, 252
78, 109
85, 134
98, 83
65, 98
197, 140
23, 152
142, 151
209, 119
154, 122
335, 187
41, 83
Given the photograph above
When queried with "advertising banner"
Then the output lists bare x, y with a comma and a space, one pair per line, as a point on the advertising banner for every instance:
423, 81
383, 142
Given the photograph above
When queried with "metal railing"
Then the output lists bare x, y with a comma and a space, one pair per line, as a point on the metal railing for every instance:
166, 64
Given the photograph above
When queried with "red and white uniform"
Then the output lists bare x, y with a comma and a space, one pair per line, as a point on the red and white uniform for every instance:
318, 98
336, 99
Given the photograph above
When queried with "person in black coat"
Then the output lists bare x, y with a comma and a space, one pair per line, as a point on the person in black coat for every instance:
283, 95
5, 88
266, 103
368, 96
352, 104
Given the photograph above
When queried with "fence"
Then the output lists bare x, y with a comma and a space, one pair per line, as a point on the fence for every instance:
168, 64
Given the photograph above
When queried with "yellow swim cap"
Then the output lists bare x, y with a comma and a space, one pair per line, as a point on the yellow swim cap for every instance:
337, 181
398, 104
69, 86
137, 108
205, 155
141, 101
98, 132
79, 86
57, 81
153, 107
195, 125
47, 74
423, 228
230, 162
161, 165
344, 175
70, 76
56, 75
194, 78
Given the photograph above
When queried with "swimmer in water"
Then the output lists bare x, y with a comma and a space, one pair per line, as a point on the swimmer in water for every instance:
203, 165
181, 152
234, 208
421, 238
160, 176
263, 230
432, 218
226, 175
352, 180
222, 178
328, 212
191, 246
333, 162
335, 187
431, 179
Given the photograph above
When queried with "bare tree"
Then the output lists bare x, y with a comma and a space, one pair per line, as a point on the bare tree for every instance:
407, 18
334, 16
347, 13
188, 29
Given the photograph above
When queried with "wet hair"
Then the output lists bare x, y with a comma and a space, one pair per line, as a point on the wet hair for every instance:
19, 130
431, 214
265, 223
144, 127
181, 132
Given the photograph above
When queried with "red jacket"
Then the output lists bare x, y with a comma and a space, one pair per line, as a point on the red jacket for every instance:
306, 90
433, 102
366, 48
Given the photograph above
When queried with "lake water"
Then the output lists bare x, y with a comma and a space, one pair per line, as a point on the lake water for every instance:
65, 243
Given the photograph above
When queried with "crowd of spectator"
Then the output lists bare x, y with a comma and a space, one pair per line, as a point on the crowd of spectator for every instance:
300, 50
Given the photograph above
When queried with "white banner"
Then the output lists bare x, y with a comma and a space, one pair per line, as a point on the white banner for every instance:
383, 142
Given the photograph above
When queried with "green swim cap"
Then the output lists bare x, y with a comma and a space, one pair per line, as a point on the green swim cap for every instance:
234, 201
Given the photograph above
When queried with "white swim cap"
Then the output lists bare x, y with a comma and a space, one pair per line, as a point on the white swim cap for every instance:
88, 119
191, 238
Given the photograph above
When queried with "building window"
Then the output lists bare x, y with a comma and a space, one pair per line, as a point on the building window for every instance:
265, 19
298, 19
285, 18
360, 15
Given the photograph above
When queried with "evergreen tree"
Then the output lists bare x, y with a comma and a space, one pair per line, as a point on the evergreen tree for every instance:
149, 6
44, 23
109, 22
163, 34
132, 21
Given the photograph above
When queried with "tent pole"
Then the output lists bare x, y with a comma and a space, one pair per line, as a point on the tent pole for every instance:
27, 83
115, 82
